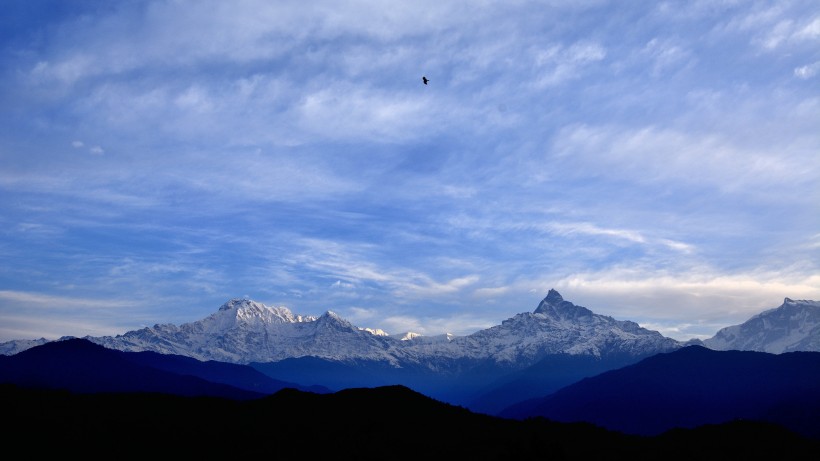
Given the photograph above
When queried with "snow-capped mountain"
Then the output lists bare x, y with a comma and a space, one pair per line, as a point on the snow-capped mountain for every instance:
20, 345
244, 331
794, 326
555, 327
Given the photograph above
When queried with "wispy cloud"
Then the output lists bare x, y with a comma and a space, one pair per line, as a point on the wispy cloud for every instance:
170, 155
808, 71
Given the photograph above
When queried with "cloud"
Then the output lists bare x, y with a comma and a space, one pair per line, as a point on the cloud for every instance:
338, 284
32, 315
272, 148
653, 154
808, 71
489, 293
95, 150
591, 229
810, 31
458, 324
44, 301
777, 26
710, 296
666, 55
345, 112
560, 64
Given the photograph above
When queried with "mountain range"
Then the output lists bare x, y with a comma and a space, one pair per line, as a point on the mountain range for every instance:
560, 363
527, 356
331, 352
244, 331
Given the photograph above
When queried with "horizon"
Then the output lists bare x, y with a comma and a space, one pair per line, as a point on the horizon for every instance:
406, 332
653, 162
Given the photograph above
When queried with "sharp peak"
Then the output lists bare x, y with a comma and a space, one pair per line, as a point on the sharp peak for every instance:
554, 302
334, 316
553, 298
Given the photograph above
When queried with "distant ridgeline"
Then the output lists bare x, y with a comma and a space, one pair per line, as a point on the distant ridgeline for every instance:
518, 369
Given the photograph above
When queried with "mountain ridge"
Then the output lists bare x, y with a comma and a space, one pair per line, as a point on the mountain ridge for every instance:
793, 326
244, 331
690, 387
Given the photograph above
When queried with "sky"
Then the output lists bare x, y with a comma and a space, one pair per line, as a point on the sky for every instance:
652, 161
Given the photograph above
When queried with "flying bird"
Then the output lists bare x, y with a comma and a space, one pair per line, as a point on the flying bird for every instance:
425, 80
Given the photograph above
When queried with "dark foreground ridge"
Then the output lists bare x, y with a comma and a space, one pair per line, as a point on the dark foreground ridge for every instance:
391, 422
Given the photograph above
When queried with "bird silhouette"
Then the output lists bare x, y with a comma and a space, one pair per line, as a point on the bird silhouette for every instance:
425, 80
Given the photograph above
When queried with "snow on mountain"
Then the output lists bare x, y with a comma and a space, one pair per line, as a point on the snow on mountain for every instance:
419, 338
375, 331
794, 326
558, 326
19, 345
244, 331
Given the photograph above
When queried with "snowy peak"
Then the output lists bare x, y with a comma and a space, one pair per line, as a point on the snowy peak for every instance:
246, 310
375, 331
333, 319
235, 304
794, 326
554, 306
560, 327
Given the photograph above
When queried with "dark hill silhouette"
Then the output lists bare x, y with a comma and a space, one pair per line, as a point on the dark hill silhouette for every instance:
390, 422
691, 387
81, 366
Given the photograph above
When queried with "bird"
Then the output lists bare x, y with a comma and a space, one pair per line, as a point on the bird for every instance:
425, 80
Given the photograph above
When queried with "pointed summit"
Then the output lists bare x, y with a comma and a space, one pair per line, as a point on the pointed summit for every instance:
548, 304
554, 306
553, 297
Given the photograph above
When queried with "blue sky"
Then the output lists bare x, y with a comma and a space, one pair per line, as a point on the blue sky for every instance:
652, 161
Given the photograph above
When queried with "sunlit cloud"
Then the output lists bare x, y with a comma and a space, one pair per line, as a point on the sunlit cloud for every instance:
706, 295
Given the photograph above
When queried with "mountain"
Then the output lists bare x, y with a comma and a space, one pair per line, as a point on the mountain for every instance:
794, 326
356, 424
78, 365
19, 345
691, 387
244, 331
331, 352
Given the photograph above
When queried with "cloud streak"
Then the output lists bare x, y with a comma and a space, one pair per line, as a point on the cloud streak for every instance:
655, 163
